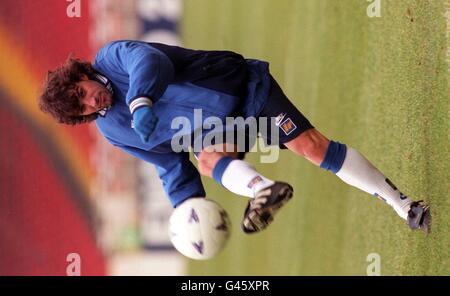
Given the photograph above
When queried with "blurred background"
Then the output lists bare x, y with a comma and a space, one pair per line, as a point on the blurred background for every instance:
65, 189
377, 81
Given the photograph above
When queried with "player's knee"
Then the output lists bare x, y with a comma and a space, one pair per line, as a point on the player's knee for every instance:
207, 160
204, 164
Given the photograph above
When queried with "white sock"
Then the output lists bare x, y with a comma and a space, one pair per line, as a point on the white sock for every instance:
359, 172
241, 178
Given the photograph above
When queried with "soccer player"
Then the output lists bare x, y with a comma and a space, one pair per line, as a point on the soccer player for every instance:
135, 91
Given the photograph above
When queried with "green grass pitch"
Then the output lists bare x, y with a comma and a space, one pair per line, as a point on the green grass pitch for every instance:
379, 85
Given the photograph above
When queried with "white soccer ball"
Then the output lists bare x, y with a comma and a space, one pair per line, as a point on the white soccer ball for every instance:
199, 228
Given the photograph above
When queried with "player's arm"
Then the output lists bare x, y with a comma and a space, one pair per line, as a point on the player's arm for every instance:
150, 72
179, 176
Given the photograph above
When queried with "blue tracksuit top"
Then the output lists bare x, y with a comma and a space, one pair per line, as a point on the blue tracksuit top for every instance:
177, 80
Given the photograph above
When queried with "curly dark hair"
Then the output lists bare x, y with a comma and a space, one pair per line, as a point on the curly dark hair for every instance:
60, 98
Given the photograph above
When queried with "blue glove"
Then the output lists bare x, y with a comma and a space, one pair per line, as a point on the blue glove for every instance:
145, 121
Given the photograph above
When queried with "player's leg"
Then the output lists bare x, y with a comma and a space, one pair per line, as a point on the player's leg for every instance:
221, 162
354, 169
240, 177
311, 144
297, 134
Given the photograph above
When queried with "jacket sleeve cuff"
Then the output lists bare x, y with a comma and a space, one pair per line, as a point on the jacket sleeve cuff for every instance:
140, 102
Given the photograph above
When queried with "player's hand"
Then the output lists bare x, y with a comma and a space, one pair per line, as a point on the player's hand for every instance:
145, 121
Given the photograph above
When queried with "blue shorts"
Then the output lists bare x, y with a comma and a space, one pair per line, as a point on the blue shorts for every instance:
287, 119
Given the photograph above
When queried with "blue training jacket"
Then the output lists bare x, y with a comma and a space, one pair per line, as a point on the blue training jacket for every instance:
177, 81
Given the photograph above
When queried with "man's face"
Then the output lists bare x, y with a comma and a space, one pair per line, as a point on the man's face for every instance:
93, 96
